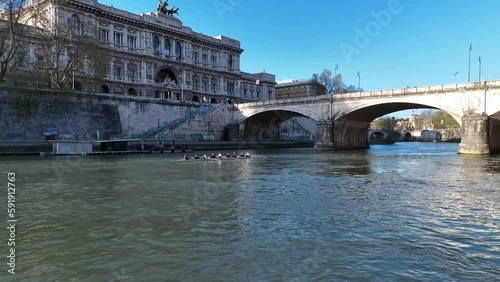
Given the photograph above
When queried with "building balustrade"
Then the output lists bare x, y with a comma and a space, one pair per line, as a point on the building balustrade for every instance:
124, 79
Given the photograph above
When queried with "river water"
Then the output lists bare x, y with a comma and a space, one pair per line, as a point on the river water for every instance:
408, 211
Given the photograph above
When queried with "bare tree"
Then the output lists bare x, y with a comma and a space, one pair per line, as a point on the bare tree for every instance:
69, 47
338, 84
334, 84
424, 120
326, 79
14, 18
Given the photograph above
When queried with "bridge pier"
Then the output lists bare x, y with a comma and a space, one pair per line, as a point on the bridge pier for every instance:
324, 136
475, 139
341, 135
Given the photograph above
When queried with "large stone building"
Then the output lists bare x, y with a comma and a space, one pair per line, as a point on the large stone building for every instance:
293, 88
154, 55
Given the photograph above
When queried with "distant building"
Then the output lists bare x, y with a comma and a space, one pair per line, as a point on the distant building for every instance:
287, 89
154, 55
407, 124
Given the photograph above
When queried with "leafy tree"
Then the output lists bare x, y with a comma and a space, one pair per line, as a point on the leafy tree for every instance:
383, 123
442, 120
424, 120
14, 17
432, 119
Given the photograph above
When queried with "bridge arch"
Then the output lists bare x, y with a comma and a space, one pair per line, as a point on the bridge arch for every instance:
369, 112
264, 125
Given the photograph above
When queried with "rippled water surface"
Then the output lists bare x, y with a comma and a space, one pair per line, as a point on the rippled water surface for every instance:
408, 211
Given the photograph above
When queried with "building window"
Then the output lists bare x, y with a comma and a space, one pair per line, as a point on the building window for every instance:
132, 42
214, 60
195, 57
204, 57
118, 72
188, 79
178, 50
118, 39
230, 87
131, 74
156, 44
230, 61
166, 47
74, 23
103, 35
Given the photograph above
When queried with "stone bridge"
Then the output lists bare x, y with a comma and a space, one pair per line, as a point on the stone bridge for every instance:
343, 119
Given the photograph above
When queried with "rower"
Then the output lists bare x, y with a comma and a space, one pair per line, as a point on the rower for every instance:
186, 157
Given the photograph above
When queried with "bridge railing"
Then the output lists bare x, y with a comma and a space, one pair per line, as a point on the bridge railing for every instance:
382, 93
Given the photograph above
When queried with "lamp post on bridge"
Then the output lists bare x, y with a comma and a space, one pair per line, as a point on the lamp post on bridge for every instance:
479, 68
470, 50
359, 81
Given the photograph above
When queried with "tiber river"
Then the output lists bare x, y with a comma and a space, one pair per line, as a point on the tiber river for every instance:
408, 211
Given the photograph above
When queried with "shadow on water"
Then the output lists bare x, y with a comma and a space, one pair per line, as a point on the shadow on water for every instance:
340, 164
492, 165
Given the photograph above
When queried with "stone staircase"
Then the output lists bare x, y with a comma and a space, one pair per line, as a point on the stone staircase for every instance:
203, 110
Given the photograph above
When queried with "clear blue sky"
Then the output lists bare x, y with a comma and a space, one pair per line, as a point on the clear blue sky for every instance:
392, 43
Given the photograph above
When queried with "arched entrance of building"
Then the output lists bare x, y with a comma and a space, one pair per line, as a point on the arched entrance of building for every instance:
170, 87
105, 88
407, 137
196, 99
213, 101
131, 91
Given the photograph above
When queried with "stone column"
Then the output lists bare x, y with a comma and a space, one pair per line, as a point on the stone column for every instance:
475, 140
111, 35
125, 71
324, 136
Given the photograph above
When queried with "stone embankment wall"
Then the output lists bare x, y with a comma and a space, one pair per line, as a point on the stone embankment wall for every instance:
212, 125
27, 115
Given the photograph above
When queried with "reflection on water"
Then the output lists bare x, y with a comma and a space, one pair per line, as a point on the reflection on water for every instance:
408, 211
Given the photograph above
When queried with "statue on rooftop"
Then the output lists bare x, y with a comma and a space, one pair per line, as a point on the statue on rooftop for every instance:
172, 11
162, 7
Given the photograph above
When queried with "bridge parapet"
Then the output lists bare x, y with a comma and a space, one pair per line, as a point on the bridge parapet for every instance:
432, 89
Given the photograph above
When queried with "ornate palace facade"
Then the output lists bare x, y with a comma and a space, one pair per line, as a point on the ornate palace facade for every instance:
154, 55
